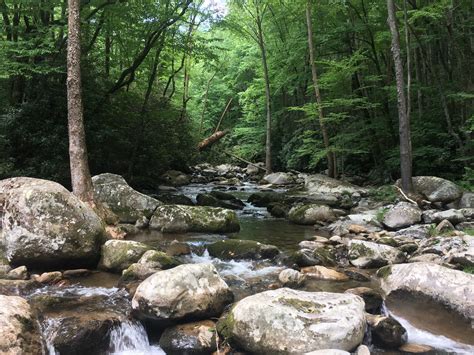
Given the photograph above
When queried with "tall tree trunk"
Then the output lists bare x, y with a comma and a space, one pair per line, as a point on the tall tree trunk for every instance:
403, 118
330, 155
268, 144
80, 174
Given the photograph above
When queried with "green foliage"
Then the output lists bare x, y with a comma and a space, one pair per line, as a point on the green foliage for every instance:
386, 193
468, 269
381, 214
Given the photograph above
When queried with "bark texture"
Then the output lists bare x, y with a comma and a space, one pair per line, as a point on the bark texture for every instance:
80, 175
330, 155
403, 117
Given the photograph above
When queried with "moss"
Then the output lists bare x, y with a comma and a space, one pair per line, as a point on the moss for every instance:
384, 272
359, 249
301, 305
381, 214
469, 269
326, 256
225, 326
386, 193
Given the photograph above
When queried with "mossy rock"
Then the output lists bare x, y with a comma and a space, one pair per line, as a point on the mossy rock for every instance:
263, 199
118, 255
242, 249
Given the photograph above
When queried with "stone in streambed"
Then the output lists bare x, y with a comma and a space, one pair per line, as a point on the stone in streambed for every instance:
323, 273
452, 288
186, 291
387, 332
118, 255
19, 329
373, 299
402, 215
365, 254
190, 338
290, 321
181, 219
45, 225
436, 189
311, 214
128, 204
241, 249
150, 262
291, 278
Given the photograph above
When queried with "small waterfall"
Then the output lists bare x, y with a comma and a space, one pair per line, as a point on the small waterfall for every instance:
49, 329
130, 338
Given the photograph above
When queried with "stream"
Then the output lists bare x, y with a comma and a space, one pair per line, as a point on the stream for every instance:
98, 293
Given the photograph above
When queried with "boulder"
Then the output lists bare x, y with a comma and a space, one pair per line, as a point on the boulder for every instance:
387, 332
452, 215
452, 288
311, 214
175, 199
323, 273
403, 214
467, 200
118, 255
279, 178
190, 338
322, 184
291, 278
365, 254
19, 329
186, 291
179, 219
150, 262
241, 249
290, 321
128, 204
46, 225
373, 299
213, 201
263, 199
176, 178
436, 189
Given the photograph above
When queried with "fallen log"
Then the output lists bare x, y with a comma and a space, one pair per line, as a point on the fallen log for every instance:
209, 141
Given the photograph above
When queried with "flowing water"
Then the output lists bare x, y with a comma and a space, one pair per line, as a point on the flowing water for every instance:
425, 323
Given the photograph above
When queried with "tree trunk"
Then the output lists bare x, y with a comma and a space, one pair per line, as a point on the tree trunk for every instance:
403, 118
330, 155
80, 174
268, 144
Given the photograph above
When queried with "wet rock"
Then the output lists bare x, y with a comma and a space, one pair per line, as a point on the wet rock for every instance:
4, 270
176, 178
452, 288
128, 204
241, 249
365, 254
328, 352
178, 248
252, 169
290, 321
278, 210
49, 277
76, 273
373, 299
186, 291
402, 215
118, 255
279, 179
319, 256
436, 189
191, 338
46, 225
19, 329
175, 199
323, 273
150, 262
357, 275
214, 201
428, 257
17, 287
291, 278
409, 248
387, 332
179, 219
19, 273
362, 350
412, 348
263, 199
311, 214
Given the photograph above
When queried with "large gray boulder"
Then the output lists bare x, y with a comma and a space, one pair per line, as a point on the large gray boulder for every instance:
180, 219
186, 291
452, 288
128, 204
311, 214
322, 184
279, 178
436, 189
401, 215
118, 255
365, 254
46, 225
19, 329
287, 321
467, 200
